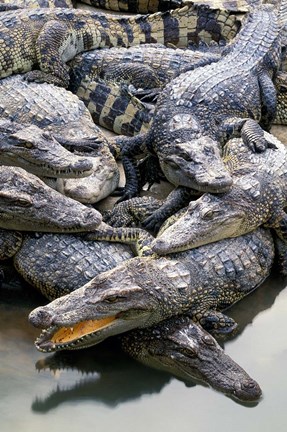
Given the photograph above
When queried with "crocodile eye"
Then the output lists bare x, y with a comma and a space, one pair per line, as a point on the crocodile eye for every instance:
23, 202
47, 135
188, 352
28, 145
113, 298
208, 340
171, 163
209, 214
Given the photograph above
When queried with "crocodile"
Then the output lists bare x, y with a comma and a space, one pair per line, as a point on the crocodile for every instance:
48, 38
161, 63
184, 348
29, 147
60, 113
111, 104
27, 204
115, 106
177, 345
145, 290
258, 197
197, 112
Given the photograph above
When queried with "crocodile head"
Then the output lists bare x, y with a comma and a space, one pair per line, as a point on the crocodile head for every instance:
115, 301
208, 219
183, 348
196, 164
39, 153
100, 184
28, 204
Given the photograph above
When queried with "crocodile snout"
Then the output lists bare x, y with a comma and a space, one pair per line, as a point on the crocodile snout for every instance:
247, 390
160, 247
40, 318
82, 165
214, 183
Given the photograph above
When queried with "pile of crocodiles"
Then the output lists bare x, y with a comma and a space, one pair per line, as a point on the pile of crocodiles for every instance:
191, 89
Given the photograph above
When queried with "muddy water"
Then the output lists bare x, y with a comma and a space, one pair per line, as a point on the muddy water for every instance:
101, 389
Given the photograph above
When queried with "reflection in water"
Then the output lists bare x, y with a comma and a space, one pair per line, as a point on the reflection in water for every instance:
105, 372
259, 300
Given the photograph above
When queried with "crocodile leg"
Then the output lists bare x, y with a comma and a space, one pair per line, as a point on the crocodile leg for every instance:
53, 35
131, 147
253, 136
176, 200
10, 243
140, 238
131, 213
138, 74
249, 130
268, 99
214, 322
90, 145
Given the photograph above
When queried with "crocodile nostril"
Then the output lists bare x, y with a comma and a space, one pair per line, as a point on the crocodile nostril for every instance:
40, 318
248, 384
247, 390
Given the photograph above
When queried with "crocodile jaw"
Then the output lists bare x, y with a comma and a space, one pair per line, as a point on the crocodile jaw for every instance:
83, 334
175, 239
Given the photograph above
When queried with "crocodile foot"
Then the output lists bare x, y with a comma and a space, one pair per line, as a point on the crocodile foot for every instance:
253, 136
217, 323
154, 222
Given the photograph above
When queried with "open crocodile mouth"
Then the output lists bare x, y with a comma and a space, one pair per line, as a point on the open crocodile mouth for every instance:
80, 335
54, 171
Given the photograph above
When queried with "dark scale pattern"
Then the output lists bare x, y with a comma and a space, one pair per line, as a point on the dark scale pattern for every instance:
113, 107
134, 6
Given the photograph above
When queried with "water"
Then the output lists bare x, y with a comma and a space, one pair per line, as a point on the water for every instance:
102, 389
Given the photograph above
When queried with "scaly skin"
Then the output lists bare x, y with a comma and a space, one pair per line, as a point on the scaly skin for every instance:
113, 105
39, 259
6, 5
258, 197
183, 348
146, 290
39, 152
198, 111
27, 204
166, 62
49, 38
281, 87
59, 112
